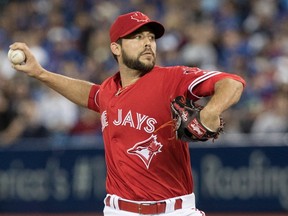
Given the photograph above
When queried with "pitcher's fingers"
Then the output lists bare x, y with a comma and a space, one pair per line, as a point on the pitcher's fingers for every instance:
21, 46
18, 45
17, 67
24, 48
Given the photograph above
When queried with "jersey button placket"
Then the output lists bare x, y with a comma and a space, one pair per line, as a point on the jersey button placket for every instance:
113, 115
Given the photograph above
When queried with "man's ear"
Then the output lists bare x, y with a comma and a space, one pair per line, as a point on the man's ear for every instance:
115, 48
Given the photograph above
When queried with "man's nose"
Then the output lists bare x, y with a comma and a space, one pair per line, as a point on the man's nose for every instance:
147, 40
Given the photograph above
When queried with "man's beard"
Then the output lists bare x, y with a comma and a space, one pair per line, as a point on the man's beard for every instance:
136, 64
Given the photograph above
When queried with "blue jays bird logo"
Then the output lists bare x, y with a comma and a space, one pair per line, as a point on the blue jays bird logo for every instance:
146, 149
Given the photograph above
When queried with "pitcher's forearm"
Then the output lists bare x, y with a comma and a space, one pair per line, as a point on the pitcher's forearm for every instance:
227, 92
74, 90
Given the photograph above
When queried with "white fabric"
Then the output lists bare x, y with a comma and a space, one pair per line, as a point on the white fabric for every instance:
188, 207
170, 205
114, 199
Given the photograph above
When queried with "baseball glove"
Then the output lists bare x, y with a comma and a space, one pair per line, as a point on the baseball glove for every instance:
186, 115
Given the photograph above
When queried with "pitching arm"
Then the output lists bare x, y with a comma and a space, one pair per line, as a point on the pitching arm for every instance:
227, 92
75, 90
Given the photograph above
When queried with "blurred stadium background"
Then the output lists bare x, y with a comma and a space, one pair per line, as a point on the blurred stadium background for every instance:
51, 151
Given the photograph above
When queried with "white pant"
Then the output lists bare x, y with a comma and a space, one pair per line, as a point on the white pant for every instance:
188, 208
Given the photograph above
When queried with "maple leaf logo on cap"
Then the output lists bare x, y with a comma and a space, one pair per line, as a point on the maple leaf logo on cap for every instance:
140, 17
127, 23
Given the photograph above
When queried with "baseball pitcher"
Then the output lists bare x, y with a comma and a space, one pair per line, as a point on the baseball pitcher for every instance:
149, 114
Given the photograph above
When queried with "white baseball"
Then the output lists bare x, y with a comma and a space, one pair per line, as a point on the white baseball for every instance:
16, 56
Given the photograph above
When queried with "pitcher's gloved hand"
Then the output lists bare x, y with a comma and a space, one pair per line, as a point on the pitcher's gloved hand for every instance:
186, 115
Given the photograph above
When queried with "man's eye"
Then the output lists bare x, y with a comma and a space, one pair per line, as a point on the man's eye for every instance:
140, 37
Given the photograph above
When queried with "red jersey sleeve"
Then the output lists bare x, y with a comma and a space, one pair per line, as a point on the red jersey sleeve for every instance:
196, 83
93, 101
206, 88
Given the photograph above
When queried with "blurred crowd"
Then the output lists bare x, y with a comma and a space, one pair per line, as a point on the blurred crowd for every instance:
71, 37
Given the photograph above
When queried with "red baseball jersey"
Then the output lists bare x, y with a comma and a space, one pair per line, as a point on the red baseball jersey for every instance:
145, 162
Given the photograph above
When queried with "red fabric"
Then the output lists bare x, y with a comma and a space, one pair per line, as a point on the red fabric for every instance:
93, 104
128, 23
153, 208
144, 160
